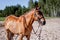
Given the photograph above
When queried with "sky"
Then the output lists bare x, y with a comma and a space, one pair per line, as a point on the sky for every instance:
4, 3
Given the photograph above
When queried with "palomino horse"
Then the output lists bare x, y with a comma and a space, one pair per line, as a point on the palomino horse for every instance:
23, 25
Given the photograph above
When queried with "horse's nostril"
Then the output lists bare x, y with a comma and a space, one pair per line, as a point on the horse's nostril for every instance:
44, 22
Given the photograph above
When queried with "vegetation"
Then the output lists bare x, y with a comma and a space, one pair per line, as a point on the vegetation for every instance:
2, 18
50, 8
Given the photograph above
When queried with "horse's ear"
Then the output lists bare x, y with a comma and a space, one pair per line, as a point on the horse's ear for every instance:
36, 4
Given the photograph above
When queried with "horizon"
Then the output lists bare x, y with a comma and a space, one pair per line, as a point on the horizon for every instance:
4, 3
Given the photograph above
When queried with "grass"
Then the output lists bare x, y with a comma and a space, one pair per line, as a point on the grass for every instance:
2, 18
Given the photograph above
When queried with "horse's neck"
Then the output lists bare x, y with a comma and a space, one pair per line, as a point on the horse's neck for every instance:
31, 21
29, 18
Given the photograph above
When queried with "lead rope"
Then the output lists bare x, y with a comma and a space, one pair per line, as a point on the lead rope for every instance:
39, 35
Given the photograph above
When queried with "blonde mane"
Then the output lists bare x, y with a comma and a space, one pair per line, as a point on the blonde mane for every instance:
29, 11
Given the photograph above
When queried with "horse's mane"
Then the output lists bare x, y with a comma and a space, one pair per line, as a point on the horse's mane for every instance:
28, 11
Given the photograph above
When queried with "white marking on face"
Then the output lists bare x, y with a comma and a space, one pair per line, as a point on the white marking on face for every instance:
42, 20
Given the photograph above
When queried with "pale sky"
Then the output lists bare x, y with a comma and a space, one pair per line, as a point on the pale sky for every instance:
4, 3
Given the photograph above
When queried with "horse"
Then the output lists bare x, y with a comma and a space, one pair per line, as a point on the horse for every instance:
22, 25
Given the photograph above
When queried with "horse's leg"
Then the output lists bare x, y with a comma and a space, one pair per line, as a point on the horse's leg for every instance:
11, 36
20, 37
28, 37
8, 34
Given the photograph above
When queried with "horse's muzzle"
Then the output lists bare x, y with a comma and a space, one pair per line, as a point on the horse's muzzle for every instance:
44, 22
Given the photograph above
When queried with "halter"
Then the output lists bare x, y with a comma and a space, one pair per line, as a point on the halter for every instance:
39, 35
37, 16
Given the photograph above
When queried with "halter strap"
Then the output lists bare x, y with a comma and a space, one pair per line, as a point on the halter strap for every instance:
37, 30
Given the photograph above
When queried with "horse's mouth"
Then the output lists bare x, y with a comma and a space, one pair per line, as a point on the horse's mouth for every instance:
42, 22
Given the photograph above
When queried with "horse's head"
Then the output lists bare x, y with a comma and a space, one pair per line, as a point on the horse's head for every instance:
39, 16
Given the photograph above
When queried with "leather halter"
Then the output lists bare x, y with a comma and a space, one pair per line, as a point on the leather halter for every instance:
37, 16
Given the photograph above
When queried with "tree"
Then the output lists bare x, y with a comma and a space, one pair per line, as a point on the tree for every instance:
19, 11
42, 4
24, 9
9, 10
1, 13
50, 7
31, 4
53, 6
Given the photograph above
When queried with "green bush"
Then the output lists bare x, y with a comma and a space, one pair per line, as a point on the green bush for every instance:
2, 18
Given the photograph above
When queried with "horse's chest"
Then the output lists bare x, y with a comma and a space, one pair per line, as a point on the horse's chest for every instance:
28, 30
